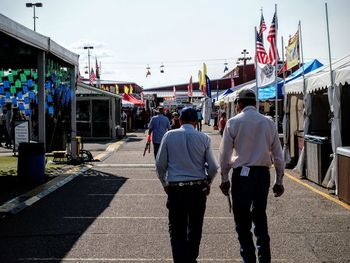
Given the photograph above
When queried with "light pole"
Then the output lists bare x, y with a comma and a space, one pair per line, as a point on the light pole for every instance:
34, 5
244, 58
88, 48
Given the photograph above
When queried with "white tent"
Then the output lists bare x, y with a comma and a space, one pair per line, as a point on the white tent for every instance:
321, 80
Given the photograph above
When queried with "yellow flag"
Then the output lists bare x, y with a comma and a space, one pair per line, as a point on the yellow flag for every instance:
204, 74
116, 89
200, 80
126, 89
131, 89
292, 51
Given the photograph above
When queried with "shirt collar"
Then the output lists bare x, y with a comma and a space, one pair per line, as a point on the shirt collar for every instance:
249, 108
187, 126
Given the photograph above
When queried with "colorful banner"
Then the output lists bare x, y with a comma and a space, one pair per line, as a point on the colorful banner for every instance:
292, 51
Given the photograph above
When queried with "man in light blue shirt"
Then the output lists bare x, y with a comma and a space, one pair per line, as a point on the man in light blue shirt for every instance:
158, 126
186, 166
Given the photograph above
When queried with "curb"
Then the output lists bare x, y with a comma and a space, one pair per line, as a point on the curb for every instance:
110, 149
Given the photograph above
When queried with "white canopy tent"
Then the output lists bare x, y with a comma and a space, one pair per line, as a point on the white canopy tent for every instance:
321, 80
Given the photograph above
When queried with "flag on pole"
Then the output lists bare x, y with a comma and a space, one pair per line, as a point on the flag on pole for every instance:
126, 89
92, 76
200, 79
190, 88
292, 51
262, 26
116, 89
271, 37
131, 90
208, 88
97, 69
265, 71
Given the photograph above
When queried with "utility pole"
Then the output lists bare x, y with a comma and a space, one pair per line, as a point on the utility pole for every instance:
244, 59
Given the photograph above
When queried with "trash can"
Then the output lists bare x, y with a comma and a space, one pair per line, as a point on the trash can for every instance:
31, 162
318, 151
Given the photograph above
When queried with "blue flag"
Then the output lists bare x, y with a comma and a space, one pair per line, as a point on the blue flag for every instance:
207, 80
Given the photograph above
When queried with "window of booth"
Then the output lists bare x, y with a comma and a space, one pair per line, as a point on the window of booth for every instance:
345, 116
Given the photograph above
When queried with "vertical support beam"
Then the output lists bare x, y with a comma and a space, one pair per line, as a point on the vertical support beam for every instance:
41, 97
73, 83
113, 122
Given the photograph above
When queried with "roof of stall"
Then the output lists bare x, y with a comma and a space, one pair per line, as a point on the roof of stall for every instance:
36, 40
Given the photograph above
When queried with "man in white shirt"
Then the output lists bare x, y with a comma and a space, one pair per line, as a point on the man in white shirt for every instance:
186, 166
249, 141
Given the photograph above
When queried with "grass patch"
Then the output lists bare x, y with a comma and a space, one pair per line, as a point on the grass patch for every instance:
8, 166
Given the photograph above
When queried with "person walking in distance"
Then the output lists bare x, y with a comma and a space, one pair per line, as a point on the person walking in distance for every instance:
249, 142
186, 166
222, 123
158, 126
124, 120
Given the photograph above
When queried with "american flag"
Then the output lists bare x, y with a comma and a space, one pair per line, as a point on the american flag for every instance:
262, 26
271, 37
260, 50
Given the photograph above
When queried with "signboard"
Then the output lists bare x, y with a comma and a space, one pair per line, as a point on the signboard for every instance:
21, 133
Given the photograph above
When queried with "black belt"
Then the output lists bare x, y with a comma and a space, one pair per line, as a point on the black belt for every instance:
188, 183
252, 168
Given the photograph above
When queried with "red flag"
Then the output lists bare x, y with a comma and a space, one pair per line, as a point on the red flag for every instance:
80, 78
190, 88
271, 37
262, 26
92, 76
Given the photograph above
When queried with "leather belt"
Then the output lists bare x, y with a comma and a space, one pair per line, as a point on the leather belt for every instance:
188, 183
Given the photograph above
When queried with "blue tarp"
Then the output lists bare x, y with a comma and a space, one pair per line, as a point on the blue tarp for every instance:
268, 92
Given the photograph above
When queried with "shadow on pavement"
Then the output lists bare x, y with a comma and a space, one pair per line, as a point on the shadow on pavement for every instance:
51, 227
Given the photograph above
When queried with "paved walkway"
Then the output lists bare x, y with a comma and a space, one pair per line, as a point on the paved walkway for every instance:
115, 212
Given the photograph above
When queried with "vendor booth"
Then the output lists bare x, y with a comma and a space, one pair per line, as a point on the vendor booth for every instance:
98, 112
323, 123
37, 82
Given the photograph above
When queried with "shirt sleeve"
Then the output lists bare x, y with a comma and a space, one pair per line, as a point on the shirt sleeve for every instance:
225, 153
211, 161
162, 161
278, 159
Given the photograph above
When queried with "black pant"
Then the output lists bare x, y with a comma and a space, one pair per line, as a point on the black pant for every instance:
155, 149
186, 206
249, 200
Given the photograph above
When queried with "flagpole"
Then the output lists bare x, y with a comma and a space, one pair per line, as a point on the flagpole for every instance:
283, 71
276, 62
302, 56
329, 48
256, 73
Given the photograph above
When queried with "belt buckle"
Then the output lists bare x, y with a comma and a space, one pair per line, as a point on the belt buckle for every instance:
181, 184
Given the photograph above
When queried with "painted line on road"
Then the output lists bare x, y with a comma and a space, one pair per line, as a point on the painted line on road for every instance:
347, 207
116, 194
139, 217
137, 259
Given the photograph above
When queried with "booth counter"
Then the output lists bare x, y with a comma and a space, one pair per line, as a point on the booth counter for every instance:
343, 154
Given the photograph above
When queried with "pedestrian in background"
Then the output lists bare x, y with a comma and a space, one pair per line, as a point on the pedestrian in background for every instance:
158, 126
175, 121
124, 120
249, 141
199, 120
222, 123
186, 166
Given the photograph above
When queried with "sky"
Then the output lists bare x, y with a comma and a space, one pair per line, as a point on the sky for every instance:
130, 35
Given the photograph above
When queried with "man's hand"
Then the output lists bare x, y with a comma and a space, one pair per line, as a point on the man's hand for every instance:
207, 189
225, 187
278, 190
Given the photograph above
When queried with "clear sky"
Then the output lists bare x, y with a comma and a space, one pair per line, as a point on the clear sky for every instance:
129, 35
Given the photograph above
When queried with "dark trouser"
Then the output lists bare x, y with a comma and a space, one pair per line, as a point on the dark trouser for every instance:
186, 206
155, 149
249, 200
199, 125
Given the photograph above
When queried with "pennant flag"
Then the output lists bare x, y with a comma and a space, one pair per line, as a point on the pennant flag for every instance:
92, 76
126, 89
262, 26
271, 37
292, 51
200, 79
204, 76
131, 90
97, 69
264, 70
208, 88
116, 89
190, 88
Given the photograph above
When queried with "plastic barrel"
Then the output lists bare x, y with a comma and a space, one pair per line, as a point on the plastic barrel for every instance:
31, 162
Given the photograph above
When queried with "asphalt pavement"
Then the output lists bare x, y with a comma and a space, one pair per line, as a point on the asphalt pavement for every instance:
114, 211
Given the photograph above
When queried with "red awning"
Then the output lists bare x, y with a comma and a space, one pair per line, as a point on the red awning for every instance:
132, 99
